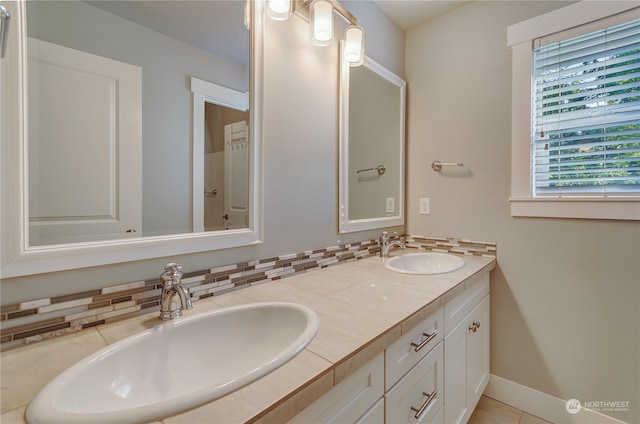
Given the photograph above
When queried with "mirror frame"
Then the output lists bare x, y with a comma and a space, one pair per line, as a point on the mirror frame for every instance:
346, 225
20, 259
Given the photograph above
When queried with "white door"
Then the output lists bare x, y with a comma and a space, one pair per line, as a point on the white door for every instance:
236, 175
83, 108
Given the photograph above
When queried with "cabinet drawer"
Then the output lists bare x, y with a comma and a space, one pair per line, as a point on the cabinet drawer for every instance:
462, 304
350, 400
418, 396
405, 352
439, 418
375, 415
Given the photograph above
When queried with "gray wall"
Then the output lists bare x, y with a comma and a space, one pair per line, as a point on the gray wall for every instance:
374, 139
300, 137
565, 295
166, 97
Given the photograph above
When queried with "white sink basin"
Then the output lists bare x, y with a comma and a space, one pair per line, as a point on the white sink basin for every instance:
425, 263
176, 365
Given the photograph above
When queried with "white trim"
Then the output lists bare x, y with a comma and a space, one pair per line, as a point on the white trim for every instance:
598, 208
346, 225
541, 404
562, 19
220, 95
19, 259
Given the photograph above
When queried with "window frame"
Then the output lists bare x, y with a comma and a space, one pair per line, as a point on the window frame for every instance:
520, 39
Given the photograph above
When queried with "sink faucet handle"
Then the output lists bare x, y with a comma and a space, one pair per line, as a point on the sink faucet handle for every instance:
172, 274
173, 267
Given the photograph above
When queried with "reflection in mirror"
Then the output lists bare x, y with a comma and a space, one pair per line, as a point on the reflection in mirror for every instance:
106, 144
226, 159
371, 147
220, 157
91, 58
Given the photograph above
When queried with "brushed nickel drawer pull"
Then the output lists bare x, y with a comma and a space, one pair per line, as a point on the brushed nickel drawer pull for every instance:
423, 343
425, 405
5, 19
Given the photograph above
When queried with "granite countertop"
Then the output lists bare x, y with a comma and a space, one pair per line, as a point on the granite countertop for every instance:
363, 308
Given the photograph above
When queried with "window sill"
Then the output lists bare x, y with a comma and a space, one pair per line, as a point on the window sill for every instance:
619, 208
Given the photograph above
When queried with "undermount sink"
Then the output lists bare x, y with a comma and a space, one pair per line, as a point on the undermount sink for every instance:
177, 365
425, 263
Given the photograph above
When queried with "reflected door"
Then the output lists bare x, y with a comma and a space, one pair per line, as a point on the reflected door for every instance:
84, 146
236, 179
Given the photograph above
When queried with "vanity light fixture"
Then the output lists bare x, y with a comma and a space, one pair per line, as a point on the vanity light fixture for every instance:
320, 16
279, 10
354, 46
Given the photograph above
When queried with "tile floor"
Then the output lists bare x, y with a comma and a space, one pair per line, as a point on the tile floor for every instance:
491, 411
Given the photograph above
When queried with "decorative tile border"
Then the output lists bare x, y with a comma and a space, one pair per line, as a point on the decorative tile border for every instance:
452, 245
42, 319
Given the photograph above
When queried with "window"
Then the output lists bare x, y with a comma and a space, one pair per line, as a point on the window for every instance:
579, 113
586, 119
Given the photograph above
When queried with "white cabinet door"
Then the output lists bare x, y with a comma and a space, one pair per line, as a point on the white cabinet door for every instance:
463, 303
417, 398
466, 363
455, 352
478, 352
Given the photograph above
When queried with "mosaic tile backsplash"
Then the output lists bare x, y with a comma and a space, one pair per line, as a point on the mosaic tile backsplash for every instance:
41, 319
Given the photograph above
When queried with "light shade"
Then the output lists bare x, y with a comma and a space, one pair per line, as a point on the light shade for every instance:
321, 18
247, 14
354, 46
279, 10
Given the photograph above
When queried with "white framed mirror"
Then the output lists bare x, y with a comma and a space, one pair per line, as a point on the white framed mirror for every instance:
163, 166
372, 143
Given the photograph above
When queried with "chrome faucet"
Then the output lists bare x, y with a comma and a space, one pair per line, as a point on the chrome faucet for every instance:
386, 243
175, 296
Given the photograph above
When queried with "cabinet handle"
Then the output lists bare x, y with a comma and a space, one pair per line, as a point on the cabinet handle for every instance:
5, 18
425, 405
474, 326
423, 343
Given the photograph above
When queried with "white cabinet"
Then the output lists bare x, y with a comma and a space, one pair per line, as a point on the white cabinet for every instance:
405, 352
351, 400
435, 373
417, 398
375, 415
466, 354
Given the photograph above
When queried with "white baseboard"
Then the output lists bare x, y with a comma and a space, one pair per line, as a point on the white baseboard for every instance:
542, 405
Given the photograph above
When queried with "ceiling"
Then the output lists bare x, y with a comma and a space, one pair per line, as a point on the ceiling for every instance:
213, 26
217, 26
408, 13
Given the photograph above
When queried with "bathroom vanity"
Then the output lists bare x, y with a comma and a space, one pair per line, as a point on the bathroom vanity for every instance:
391, 347
444, 357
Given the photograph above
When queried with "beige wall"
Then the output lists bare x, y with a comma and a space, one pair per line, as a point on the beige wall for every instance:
565, 296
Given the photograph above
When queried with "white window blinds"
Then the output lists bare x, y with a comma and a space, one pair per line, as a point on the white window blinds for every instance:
586, 113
